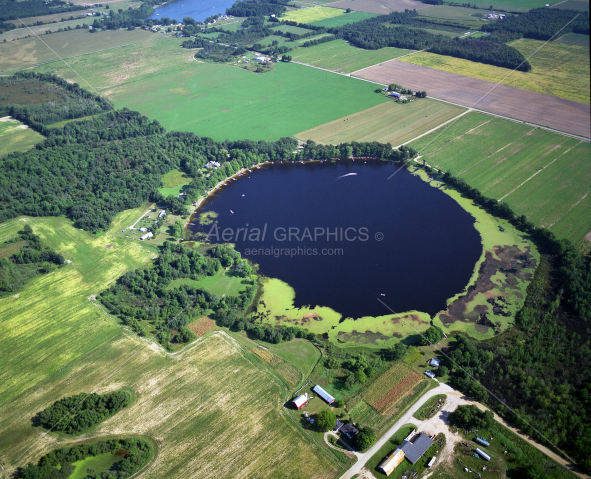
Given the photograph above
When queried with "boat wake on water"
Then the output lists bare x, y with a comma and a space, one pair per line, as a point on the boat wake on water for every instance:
348, 174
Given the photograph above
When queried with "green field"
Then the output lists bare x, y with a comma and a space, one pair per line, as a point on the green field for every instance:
62, 343
447, 12
28, 52
173, 183
312, 14
513, 5
221, 101
575, 39
42, 29
389, 122
281, 41
100, 463
341, 20
291, 29
339, 56
500, 158
220, 284
14, 136
558, 69
582, 5
301, 353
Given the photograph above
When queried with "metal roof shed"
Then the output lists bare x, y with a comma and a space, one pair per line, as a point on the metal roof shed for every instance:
416, 447
391, 462
434, 362
431, 374
479, 440
431, 461
484, 455
323, 394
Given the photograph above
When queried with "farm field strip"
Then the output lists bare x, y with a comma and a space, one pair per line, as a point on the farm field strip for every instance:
388, 122
386, 382
67, 345
379, 7
20, 33
563, 115
29, 52
340, 20
519, 168
312, 14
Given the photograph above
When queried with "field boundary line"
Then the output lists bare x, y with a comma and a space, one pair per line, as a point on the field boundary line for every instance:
492, 154
538, 172
468, 110
412, 52
573, 206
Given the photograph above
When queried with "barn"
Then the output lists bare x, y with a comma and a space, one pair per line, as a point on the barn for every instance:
300, 401
395, 94
391, 462
323, 394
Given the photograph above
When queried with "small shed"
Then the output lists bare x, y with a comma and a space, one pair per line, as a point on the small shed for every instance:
300, 401
479, 440
483, 454
323, 394
434, 362
146, 236
391, 462
431, 461
431, 374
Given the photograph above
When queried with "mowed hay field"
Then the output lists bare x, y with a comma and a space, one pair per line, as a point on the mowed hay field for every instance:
214, 409
14, 136
312, 14
222, 101
540, 174
131, 63
379, 7
340, 20
388, 122
27, 52
558, 69
340, 56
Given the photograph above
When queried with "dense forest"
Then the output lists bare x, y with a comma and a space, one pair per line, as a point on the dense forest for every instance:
543, 23
75, 414
58, 464
258, 8
33, 257
144, 294
13, 9
541, 369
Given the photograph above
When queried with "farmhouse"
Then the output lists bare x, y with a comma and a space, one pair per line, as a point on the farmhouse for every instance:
323, 394
347, 429
162, 213
434, 362
146, 236
300, 401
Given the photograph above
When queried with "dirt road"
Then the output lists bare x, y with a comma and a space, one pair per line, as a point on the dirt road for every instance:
564, 115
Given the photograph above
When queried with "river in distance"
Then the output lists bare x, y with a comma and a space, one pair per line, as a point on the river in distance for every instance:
198, 10
355, 239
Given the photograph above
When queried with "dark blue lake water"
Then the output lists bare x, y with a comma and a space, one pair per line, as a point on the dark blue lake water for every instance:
199, 10
398, 237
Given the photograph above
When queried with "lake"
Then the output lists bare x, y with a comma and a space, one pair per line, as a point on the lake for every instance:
354, 238
199, 10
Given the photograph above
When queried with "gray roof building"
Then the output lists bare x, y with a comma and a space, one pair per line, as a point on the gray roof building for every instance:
415, 447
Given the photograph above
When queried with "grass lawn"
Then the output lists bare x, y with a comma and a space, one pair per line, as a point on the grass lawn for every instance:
220, 284
340, 20
14, 136
100, 463
388, 122
340, 56
28, 52
221, 101
299, 352
313, 14
558, 69
291, 29
211, 401
500, 158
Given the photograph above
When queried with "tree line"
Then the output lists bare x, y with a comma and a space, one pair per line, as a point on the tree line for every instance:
76, 414
246, 8
59, 463
32, 259
13, 9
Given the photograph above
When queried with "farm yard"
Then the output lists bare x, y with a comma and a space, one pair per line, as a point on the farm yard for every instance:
29, 52
518, 163
564, 115
67, 345
379, 7
340, 56
388, 122
234, 103
558, 69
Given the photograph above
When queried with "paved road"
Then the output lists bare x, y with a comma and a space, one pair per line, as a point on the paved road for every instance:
437, 423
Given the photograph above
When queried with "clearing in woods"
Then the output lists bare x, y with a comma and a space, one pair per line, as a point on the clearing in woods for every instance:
206, 406
28, 52
558, 69
173, 183
235, 104
540, 174
389, 122
340, 56
313, 14
14, 136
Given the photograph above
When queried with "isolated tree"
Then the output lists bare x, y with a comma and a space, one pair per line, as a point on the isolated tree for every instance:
348, 10
432, 336
325, 420
365, 438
